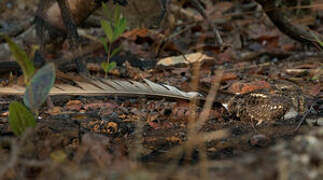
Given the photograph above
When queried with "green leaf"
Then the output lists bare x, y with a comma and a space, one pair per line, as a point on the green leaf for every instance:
117, 15
106, 11
317, 39
105, 66
22, 59
121, 27
115, 51
107, 30
105, 44
41, 83
111, 66
20, 118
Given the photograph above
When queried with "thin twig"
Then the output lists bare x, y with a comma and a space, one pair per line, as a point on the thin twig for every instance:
209, 100
13, 158
304, 117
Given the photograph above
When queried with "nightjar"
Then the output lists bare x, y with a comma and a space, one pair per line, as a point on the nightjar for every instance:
281, 101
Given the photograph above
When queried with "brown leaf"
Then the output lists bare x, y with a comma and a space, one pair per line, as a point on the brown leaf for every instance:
74, 105
242, 88
99, 105
228, 76
55, 110
316, 89
135, 33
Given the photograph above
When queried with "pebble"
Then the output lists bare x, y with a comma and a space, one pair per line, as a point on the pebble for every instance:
259, 140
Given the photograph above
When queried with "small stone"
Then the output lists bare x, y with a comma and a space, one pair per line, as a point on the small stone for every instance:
291, 113
314, 121
320, 121
259, 140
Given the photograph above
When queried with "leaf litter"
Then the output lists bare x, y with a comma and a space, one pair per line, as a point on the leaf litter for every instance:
108, 136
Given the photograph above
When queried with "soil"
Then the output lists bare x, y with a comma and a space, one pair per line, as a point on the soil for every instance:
113, 137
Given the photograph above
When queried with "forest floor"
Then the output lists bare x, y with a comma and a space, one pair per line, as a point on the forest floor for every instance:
149, 137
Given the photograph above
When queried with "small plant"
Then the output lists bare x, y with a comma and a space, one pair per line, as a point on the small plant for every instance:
112, 31
320, 42
22, 59
20, 118
38, 85
319, 72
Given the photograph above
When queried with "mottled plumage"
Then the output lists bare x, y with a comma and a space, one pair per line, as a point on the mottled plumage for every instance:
268, 105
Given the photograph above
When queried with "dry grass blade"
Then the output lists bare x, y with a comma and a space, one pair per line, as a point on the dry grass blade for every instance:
111, 87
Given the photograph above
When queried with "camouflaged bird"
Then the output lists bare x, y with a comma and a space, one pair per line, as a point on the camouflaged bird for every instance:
282, 101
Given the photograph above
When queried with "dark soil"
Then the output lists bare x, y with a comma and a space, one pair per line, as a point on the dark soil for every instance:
112, 137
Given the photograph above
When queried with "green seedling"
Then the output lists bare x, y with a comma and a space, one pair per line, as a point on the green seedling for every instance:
112, 30
38, 86
22, 59
320, 42
20, 118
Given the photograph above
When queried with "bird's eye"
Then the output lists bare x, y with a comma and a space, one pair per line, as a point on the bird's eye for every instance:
284, 89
